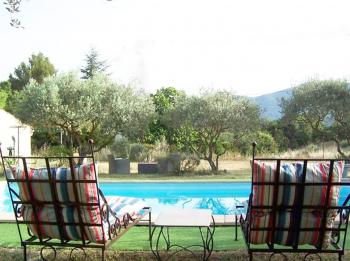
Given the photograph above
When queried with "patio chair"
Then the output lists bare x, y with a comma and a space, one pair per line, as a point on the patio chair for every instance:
62, 206
295, 206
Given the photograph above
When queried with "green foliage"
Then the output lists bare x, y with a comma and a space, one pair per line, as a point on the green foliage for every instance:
120, 147
140, 152
93, 65
5, 92
208, 117
265, 143
38, 68
95, 108
163, 100
324, 106
45, 137
287, 135
54, 151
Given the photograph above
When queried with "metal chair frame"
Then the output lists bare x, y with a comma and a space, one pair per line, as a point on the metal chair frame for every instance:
115, 230
339, 232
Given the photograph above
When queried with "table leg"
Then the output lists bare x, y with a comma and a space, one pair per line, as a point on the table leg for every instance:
236, 227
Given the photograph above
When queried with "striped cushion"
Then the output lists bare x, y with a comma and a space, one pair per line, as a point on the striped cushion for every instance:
292, 172
120, 205
87, 192
288, 196
286, 219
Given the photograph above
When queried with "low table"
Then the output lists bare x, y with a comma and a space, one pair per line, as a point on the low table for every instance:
201, 218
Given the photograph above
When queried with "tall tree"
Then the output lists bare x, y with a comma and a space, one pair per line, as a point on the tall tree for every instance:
96, 108
37, 68
324, 106
208, 117
93, 65
163, 100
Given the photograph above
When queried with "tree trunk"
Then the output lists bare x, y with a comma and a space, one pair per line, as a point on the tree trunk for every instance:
212, 164
339, 148
217, 162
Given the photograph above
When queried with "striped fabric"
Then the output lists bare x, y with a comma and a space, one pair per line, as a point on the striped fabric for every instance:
288, 196
87, 192
286, 219
119, 205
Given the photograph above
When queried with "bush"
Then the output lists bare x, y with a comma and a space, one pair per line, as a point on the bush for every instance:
265, 143
120, 148
140, 152
54, 151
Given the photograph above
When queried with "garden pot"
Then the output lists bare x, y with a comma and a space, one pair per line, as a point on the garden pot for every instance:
147, 168
118, 165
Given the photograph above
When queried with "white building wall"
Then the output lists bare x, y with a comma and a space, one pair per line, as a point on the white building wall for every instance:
13, 136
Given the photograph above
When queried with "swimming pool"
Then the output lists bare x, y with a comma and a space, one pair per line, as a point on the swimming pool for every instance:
220, 197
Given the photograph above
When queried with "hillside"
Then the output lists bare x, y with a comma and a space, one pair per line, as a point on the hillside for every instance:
270, 103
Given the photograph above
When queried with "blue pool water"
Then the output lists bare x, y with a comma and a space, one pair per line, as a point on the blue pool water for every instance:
220, 197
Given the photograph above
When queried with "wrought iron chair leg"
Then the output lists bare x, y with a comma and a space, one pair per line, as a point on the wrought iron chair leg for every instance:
103, 255
339, 256
149, 226
25, 252
250, 256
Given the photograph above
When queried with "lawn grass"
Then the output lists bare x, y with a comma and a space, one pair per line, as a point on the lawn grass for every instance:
137, 238
134, 245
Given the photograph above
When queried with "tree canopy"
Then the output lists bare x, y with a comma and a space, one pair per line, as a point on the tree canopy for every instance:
37, 68
94, 108
324, 106
208, 117
163, 100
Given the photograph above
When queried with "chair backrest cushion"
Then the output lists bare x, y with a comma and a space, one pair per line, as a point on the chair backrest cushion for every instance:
62, 188
289, 201
292, 172
87, 192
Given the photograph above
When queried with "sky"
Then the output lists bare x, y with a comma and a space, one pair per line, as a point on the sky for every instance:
249, 47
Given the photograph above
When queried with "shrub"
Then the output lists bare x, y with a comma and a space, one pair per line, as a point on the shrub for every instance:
54, 151
120, 148
140, 152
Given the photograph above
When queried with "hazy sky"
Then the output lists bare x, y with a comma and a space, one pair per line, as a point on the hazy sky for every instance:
249, 47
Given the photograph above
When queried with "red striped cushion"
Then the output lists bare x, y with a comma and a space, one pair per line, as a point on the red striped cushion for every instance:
120, 205
287, 195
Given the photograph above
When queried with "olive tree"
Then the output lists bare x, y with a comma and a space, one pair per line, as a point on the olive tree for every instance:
208, 117
324, 106
93, 108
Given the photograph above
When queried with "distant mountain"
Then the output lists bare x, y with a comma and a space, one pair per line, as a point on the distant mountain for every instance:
270, 103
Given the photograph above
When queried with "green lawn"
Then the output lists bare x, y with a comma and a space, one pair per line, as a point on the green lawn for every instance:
134, 245
137, 238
